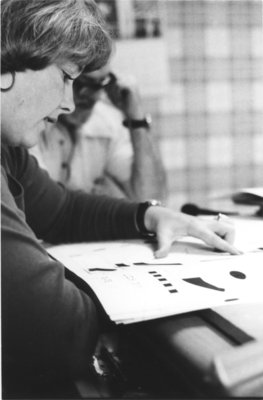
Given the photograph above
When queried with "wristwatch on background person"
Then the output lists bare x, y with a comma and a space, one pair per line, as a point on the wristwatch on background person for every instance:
142, 208
138, 123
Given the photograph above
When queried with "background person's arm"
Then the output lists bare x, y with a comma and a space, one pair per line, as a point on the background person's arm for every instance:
147, 178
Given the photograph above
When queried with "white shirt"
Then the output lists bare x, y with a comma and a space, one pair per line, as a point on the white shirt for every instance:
103, 148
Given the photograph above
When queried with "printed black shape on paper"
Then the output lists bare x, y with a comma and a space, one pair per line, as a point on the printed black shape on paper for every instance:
101, 269
235, 299
238, 274
145, 263
122, 265
200, 282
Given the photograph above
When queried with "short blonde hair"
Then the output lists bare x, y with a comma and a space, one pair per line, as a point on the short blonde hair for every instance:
37, 33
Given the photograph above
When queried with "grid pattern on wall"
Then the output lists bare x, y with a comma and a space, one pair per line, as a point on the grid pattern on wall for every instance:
210, 122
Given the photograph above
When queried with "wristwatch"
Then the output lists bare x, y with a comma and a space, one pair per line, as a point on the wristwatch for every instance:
138, 123
142, 208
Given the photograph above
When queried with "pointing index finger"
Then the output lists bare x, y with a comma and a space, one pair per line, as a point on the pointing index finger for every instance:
217, 242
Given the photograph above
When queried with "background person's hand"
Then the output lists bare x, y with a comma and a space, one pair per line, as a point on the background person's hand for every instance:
124, 94
170, 226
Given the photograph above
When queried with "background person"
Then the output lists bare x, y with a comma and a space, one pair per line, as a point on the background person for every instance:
49, 326
92, 150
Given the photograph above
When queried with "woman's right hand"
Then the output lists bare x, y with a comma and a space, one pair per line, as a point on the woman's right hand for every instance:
170, 226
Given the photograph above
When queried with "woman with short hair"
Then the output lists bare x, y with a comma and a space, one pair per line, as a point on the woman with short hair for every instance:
49, 325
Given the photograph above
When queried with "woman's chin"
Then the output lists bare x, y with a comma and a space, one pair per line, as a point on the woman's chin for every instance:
33, 136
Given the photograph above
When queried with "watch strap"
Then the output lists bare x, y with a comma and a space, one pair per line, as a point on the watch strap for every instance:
142, 208
138, 123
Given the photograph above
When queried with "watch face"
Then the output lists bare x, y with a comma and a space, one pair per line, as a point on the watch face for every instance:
148, 119
154, 202
143, 123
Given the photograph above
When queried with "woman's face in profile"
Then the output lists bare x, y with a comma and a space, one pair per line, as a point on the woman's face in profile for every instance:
35, 100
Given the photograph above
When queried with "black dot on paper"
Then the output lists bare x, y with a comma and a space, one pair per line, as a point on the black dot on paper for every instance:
237, 274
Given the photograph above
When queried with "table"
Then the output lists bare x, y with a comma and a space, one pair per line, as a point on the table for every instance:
219, 352
210, 353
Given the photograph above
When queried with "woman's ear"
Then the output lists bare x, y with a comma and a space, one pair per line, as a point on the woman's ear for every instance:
7, 81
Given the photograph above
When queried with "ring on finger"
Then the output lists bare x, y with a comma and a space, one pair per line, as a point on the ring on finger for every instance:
219, 216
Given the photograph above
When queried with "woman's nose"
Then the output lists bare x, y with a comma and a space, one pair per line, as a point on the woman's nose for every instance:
68, 105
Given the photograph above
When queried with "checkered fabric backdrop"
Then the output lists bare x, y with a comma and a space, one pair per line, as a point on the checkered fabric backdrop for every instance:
210, 125
202, 80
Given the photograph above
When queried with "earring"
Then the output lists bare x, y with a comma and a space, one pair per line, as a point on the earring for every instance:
11, 85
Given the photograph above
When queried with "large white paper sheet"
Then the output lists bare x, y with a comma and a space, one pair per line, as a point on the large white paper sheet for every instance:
132, 285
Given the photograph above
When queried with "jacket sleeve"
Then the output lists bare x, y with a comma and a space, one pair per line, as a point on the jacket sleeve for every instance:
58, 215
48, 324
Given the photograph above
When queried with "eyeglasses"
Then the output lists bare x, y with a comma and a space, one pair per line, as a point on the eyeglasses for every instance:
97, 84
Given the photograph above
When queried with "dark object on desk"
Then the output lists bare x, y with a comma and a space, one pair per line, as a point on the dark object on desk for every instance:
193, 209
247, 197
